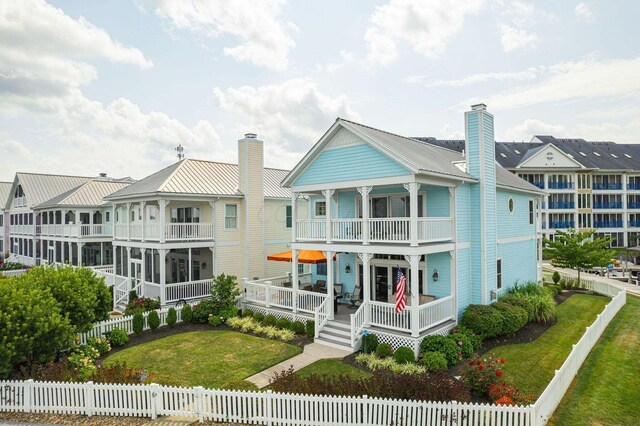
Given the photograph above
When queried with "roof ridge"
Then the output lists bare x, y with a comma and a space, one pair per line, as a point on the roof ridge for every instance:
51, 174
173, 173
442, 147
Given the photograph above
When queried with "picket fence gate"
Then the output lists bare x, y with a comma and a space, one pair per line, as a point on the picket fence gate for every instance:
251, 407
270, 408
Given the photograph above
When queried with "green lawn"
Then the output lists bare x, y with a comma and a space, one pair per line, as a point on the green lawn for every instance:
332, 368
606, 390
530, 366
213, 359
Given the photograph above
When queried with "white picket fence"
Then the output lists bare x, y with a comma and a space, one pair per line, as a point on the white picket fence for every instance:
253, 407
269, 408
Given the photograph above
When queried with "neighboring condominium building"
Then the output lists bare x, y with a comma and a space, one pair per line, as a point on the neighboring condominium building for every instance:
589, 185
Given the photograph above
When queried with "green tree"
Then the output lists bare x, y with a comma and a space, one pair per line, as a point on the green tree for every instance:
224, 292
578, 250
32, 326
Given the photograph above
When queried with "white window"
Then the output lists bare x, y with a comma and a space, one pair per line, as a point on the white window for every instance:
300, 268
511, 205
133, 215
531, 212
499, 274
320, 208
107, 217
152, 212
230, 216
288, 219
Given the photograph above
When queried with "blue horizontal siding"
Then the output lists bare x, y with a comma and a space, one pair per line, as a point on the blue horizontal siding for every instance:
464, 279
514, 224
442, 263
350, 163
518, 263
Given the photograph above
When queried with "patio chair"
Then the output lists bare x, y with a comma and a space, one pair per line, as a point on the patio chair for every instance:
317, 287
353, 297
308, 288
286, 284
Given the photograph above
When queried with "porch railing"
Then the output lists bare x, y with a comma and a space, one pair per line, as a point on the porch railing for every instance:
311, 229
357, 324
384, 315
170, 232
188, 291
75, 230
308, 301
22, 229
347, 229
321, 316
436, 312
389, 230
435, 229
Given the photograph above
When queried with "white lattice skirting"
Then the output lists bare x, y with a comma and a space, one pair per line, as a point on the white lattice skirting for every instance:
276, 313
396, 340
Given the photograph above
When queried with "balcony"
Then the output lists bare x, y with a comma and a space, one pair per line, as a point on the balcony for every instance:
168, 232
75, 230
381, 230
607, 186
561, 225
634, 224
608, 205
634, 186
560, 185
631, 205
22, 229
562, 205
608, 224
20, 202
538, 184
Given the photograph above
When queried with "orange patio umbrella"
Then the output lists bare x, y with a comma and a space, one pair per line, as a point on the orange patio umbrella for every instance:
304, 256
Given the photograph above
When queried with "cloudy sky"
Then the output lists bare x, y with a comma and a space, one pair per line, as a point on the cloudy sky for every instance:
114, 86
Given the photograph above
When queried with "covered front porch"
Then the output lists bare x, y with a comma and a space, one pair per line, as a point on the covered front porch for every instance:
429, 295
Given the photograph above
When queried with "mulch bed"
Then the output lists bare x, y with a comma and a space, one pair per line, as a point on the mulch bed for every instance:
73, 419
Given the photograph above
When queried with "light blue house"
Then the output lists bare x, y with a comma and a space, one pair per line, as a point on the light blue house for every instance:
460, 228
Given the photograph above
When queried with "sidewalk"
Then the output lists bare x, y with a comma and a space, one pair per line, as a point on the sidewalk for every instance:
631, 288
312, 353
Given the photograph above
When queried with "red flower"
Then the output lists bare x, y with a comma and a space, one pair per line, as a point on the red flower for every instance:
471, 364
502, 360
481, 368
478, 362
499, 373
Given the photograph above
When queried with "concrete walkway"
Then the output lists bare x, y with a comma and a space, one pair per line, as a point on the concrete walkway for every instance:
312, 353
631, 288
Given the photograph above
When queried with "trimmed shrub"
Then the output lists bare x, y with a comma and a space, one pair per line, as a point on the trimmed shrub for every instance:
475, 339
434, 361
297, 327
369, 343
483, 319
384, 350
404, 355
556, 277
186, 313
514, 317
269, 320
153, 319
521, 300
202, 311
172, 317
258, 316
310, 328
544, 307
284, 324
553, 289
118, 337
247, 313
446, 345
216, 320
465, 345
133, 295
138, 323
100, 344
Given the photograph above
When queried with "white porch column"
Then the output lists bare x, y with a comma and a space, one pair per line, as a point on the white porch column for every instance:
101, 253
162, 205
294, 279
190, 271
129, 263
69, 250
366, 285
62, 256
294, 201
162, 259
143, 216
115, 268
414, 261
413, 187
143, 273
364, 191
328, 195
80, 245
128, 225
213, 261
329, 256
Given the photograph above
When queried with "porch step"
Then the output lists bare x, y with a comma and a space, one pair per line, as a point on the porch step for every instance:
336, 335
338, 325
335, 338
320, 340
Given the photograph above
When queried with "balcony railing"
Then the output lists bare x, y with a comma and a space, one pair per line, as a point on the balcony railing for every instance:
601, 186
608, 205
634, 224
561, 225
631, 205
22, 229
634, 186
562, 205
384, 230
20, 202
608, 224
538, 184
170, 232
560, 185
75, 230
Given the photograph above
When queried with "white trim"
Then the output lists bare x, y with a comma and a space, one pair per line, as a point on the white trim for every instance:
509, 240
225, 217
543, 149
386, 181
379, 249
511, 205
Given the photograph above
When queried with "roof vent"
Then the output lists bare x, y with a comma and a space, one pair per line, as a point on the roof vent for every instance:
250, 136
479, 107
103, 175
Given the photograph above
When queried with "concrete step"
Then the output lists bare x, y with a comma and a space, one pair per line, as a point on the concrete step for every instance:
336, 333
339, 325
320, 340
333, 338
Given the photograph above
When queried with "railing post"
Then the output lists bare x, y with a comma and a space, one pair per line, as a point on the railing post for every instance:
200, 403
267, 410
353, 331
156, 400
365, 410
26, 399
267, 293
88, 399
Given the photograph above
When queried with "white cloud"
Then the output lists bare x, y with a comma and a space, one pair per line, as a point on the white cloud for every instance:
53, 125
426, 27
290, 116
516, 38
589, 78
263, 34
584, 12
331, 68
530, 127
425, 81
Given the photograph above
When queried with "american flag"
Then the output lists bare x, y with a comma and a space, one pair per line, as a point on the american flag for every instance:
401, 283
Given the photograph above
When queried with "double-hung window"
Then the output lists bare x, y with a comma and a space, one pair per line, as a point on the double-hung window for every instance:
288, 217
499, 274
531, 212
230, 216
320, 208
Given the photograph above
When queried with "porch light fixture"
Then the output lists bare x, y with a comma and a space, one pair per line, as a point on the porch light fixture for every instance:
347, 269
204, 265
435, 275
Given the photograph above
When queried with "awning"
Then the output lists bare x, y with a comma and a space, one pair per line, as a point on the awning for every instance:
304, 256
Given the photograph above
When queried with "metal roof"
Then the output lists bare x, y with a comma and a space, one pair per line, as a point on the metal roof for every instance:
200, 177
39, 188
5, 190
89, 194
511, 154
